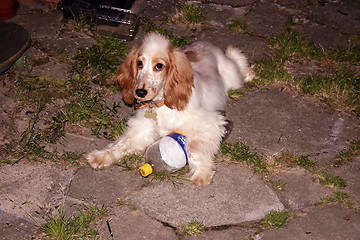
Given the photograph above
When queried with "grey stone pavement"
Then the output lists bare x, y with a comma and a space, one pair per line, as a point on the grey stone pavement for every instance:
270, 121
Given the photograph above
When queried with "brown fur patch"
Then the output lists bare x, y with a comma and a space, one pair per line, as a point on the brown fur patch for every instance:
178, 87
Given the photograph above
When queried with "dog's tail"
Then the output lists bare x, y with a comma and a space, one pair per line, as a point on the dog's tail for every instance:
236, 55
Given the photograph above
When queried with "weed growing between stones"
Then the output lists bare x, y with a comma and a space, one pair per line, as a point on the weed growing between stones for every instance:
82, 22
239, 152
278, 186
237, 25
193, 228
338, 87
75, 227
191, 14
275, 219
341, 198
293, 160
331, 181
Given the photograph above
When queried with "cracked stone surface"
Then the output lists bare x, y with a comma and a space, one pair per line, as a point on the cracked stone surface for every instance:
329, 222
298, 196
270, 121
235, 196
290, 124
28, 190
129, 224
103, 186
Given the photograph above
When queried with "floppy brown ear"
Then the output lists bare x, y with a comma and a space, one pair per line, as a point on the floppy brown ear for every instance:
178, 87
127, 76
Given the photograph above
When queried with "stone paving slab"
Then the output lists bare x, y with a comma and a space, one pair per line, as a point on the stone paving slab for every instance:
224, 234
298, 196
133, 225
30, 189
330, 222
236, 196
104, 186
273, 121
41, 25
15, 227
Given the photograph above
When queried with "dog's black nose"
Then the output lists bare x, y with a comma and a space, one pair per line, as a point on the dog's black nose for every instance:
141, 92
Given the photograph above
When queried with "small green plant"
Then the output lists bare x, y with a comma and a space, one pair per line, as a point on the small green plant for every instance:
74, 227
191, 14
341, 198
236, 93
275, 219
332, 181
335, 197
292, 160
237, 25
82, 22
303, 161
241, 153
278, 186
193, 228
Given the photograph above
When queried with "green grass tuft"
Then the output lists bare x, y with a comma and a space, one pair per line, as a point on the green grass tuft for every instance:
193, 228
341, 198
335, 197
275, 219
191, 14
237, 25
278, 186
240, 152
332, 181
75, 227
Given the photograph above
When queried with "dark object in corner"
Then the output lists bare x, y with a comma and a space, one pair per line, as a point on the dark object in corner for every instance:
14, 40
101, 12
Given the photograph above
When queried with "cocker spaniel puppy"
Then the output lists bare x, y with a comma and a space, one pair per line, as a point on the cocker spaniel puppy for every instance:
177, 89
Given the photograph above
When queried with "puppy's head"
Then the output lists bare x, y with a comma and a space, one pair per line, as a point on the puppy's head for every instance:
156, 71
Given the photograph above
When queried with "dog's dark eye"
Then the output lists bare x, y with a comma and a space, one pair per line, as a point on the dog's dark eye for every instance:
159, 67
140, 64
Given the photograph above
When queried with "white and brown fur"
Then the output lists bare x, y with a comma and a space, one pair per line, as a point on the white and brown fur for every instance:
193, 83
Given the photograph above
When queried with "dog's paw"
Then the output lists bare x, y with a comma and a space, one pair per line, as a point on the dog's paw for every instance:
249, 74
203, 178
98, 159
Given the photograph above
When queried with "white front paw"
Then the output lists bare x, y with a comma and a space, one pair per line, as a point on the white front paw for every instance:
203, 178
